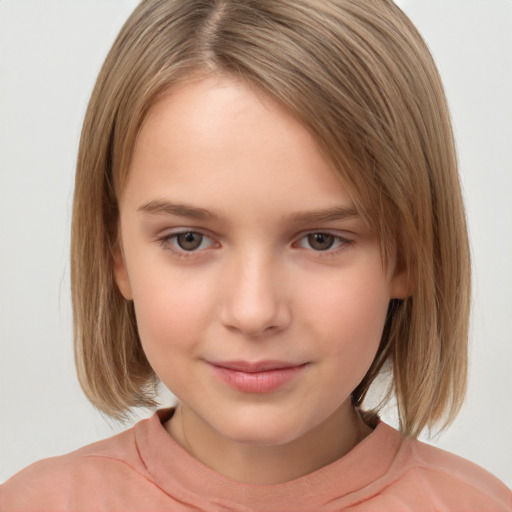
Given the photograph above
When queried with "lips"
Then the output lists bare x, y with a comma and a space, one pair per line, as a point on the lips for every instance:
256, 377
261, 366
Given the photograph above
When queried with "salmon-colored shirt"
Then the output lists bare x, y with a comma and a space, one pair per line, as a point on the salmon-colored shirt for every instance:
144, 469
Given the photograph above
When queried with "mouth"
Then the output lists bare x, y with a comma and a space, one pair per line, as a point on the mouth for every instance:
256, 377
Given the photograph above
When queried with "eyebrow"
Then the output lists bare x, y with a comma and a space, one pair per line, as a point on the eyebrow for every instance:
327, 215
161, 207
158, 207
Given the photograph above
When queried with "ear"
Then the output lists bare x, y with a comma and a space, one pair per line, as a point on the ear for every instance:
121, 273
401, 284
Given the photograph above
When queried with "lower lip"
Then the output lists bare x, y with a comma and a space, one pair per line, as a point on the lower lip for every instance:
257, 382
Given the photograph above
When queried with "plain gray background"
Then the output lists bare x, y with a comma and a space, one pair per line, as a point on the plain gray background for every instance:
50, 53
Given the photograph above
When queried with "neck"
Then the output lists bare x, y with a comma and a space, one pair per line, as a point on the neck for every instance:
259, 464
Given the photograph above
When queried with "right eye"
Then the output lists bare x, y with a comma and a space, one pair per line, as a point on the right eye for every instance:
187, 241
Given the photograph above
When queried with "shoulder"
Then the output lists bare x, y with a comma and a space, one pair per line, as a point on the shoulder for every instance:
457, 468
442, 461
59, 483
429, 475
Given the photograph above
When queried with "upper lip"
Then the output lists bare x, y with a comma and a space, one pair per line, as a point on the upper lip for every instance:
257, 366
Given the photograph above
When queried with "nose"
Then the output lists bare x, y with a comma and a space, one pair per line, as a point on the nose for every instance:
254, 295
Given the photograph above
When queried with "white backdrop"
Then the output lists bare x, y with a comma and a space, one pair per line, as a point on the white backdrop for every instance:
50, 53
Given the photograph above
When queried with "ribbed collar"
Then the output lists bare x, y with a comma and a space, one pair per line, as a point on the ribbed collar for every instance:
184, 478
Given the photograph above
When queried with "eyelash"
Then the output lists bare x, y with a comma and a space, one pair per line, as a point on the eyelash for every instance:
167, 242
342, 242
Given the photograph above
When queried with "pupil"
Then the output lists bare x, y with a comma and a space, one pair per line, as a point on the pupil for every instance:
320, 241
189, 241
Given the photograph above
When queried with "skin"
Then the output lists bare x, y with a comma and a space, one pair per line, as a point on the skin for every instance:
257, 287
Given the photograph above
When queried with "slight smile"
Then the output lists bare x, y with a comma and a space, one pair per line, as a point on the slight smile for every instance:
257, 377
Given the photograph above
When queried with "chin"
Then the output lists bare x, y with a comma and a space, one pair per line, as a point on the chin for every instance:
260, 431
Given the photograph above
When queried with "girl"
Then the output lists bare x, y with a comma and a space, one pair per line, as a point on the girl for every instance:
267, 217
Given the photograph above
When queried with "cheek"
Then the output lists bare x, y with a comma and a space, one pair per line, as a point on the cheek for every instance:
171, 313
349, 315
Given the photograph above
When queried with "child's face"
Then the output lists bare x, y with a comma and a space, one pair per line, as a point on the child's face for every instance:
241, 247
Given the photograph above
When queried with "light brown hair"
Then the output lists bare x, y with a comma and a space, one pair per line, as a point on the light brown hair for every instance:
358, 75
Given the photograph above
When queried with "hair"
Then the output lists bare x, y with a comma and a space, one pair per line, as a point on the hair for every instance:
359, 77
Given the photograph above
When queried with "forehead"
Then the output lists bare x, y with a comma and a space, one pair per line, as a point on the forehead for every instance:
218, 140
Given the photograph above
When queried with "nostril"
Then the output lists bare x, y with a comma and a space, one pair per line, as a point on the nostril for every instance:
255, 322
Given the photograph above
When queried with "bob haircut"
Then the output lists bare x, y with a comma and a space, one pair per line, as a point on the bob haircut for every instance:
360, 78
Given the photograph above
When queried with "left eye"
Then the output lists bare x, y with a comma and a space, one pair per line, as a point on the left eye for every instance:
320, 241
